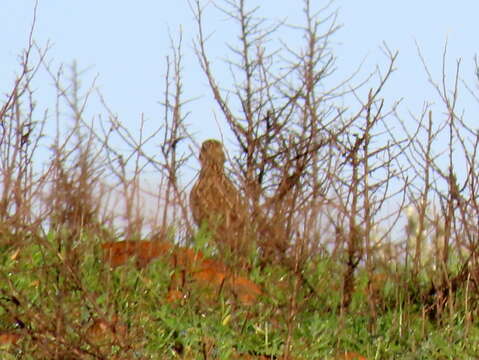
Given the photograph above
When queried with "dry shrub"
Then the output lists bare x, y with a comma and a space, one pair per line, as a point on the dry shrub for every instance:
318, 180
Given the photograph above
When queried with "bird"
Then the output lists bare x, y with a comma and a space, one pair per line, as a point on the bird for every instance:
215, 201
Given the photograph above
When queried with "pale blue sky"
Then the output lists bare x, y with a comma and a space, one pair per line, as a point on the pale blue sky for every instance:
125, 43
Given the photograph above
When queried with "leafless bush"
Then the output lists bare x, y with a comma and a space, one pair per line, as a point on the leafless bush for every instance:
311, 169
319, 179
441, 151
21, 133
64, 185
284, 128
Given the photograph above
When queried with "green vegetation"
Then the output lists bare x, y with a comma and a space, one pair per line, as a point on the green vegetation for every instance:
364, 224
54, 307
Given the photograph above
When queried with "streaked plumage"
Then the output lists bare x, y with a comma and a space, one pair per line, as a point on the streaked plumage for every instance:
214, 199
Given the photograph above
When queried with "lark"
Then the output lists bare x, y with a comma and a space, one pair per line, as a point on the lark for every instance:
216, 202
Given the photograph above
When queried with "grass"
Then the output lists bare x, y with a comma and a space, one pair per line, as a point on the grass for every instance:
55, 310
379, 219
